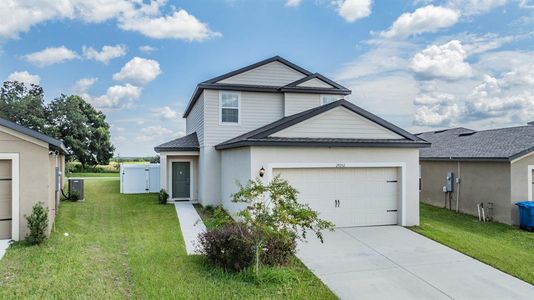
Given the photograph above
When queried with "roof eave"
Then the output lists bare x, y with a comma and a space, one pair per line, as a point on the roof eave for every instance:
339, 144
333, 91
479, 159
175, 149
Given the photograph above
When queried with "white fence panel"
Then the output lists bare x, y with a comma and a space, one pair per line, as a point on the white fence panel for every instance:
138, 179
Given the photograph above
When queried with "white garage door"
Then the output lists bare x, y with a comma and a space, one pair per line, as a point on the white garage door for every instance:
348, 196
5, 199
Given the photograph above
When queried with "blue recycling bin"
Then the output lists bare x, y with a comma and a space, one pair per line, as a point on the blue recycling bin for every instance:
526, 215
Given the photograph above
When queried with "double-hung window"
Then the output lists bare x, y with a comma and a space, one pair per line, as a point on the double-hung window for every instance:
325, 99
230, 105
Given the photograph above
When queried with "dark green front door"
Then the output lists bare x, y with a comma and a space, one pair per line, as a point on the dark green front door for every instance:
180, 180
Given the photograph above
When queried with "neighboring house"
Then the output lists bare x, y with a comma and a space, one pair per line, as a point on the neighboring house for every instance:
31, 168
276, 118
494, 166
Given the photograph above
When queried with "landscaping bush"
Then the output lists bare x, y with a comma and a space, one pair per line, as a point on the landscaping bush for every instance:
163, 196
230, 247
278, 249
37, 223
74, 196
217, 217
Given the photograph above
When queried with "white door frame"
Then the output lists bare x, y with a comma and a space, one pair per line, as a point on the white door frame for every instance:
15, 192
191, 181
530, 169
400, 165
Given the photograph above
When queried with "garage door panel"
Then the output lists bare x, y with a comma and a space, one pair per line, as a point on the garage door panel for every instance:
367, 196
5, 169
5, 229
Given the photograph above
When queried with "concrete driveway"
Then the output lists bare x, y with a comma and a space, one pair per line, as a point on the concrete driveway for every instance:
392, 262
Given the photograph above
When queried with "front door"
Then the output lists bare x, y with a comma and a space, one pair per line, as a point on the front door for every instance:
181, 179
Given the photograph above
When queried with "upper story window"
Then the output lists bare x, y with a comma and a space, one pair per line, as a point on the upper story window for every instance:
230, 105
325, 99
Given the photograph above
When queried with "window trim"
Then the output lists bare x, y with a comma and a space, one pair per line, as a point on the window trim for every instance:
329, 95
238, 108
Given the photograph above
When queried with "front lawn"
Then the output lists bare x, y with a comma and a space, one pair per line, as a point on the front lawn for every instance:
128, 246
85, 175
505, 247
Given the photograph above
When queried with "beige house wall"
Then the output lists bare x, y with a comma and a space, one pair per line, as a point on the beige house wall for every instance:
519, 173
36, 174
479, 182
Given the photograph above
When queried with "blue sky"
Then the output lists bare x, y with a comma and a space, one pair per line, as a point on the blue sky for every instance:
420, 64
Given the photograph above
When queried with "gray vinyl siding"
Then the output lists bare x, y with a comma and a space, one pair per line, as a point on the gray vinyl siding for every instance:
298, 102
235, 167
338, 123
272, 74
257, 109
314, 82
195, 120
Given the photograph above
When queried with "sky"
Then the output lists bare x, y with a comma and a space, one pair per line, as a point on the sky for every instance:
420, 64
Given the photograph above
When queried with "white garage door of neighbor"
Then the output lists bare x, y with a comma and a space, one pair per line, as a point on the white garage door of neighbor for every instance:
348, 196
5, 199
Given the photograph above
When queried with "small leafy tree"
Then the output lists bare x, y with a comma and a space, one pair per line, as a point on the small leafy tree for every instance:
273, 209
37, 223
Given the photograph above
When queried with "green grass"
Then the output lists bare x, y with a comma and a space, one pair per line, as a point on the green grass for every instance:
128, 246
78, 175
503, 246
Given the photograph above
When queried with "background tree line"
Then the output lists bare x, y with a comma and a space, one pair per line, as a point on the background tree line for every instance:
82, 128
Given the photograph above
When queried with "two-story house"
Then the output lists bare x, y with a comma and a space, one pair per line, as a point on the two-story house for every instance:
276, 118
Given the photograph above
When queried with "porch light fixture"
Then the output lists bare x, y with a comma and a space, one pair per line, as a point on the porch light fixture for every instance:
262, 171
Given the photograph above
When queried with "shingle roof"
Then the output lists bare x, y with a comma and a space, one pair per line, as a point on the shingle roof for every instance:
213, 83
261, 136
53, 143
185, 143
495, 144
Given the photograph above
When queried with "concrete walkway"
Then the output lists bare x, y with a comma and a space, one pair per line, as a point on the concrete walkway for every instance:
392, 262
191, 225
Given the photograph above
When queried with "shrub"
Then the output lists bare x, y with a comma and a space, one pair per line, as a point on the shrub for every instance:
163, 196
37, 223
278, 249
218, 217
273, 209
230, 247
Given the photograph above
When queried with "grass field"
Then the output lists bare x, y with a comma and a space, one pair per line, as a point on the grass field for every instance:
128, 246
502, 246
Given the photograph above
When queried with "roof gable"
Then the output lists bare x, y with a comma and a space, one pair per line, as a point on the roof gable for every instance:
316, 83
266, 135
271, 74
21, 132
339, 122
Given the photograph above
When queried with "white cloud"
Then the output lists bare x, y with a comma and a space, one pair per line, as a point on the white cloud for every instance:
178, 25
118, 96
138, 71
475, 7
446, 61
82, 86
146, 17
165, 113
352, 10
293, 3
24, 77
152, 133
106, 54
424, 19
147, 49
50, 56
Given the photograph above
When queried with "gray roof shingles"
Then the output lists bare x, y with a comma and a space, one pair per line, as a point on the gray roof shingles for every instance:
495, 144
185, 143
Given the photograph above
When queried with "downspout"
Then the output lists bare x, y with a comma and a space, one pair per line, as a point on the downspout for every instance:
458, 180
